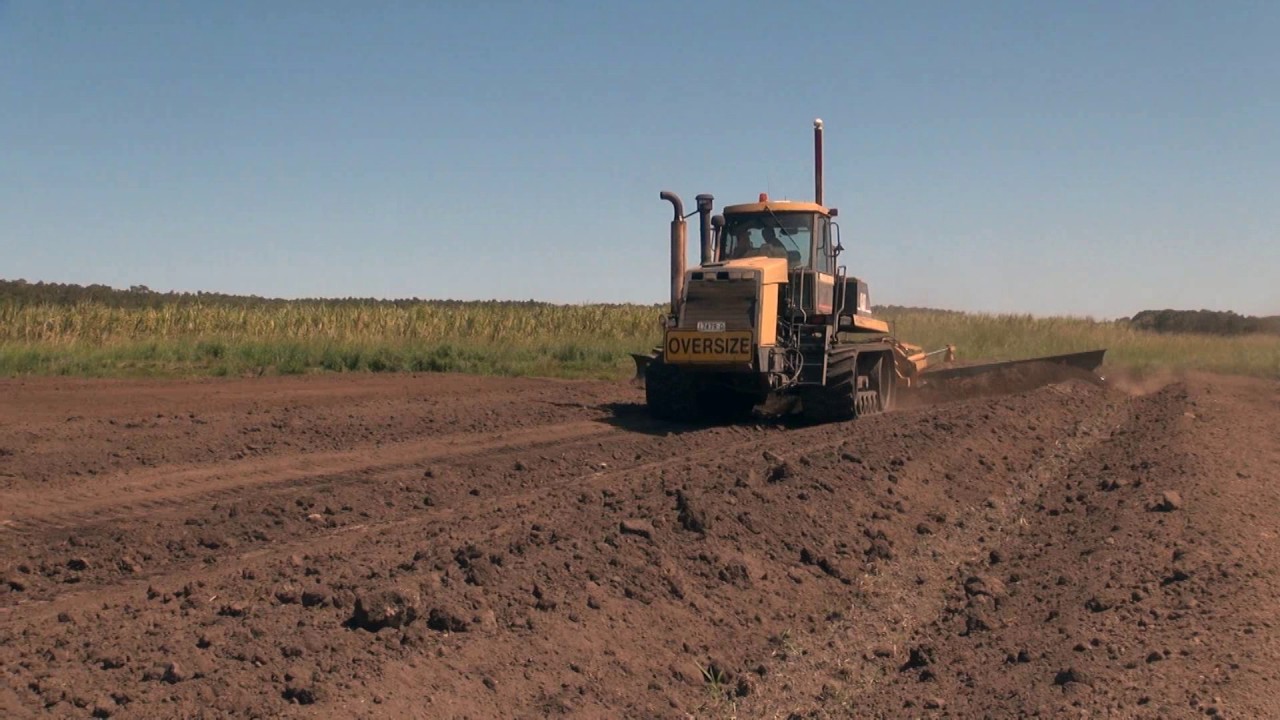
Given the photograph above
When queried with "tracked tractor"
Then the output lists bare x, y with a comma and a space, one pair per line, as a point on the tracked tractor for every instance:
771, 318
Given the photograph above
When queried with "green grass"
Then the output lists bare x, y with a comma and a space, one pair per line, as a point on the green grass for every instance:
493, 338
183, 357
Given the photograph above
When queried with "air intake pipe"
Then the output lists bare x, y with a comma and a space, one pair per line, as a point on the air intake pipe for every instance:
705, 203
679, 241
717, 237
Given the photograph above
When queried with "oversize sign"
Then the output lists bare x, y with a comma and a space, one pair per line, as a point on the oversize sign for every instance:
720, 347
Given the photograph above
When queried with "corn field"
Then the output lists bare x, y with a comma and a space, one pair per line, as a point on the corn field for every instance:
99, 324
219, 338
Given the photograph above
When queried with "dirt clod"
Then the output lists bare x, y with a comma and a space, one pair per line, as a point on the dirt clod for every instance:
234, 609
1169, 501
919, 657
288, 594
780, 471
103, 707
635, 526
689, 517
386, 608
987, 585
175, 673
1072, 675
446, 620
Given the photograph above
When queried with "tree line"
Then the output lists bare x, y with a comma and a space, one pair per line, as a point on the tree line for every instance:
23, 293
1208, 322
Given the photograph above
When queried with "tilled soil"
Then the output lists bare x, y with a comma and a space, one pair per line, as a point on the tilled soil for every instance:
447, 546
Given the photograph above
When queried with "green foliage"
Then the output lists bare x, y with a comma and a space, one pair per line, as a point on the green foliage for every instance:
1009, 337
179, 357
1209, 322
97, 331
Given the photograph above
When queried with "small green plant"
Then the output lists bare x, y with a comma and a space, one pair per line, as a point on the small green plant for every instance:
722, 701
714, 678
785, 647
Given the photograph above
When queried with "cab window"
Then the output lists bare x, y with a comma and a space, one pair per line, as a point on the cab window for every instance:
777, 234
822, 259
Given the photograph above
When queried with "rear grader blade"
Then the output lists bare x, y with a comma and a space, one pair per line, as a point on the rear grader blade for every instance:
1088, 361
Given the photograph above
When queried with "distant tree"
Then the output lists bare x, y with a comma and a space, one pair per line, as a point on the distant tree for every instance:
23, 293
1207, 322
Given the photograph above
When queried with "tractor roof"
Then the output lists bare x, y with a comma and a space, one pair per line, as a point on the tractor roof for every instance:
777, 206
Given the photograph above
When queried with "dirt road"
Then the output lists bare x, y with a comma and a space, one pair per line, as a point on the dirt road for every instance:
443, 546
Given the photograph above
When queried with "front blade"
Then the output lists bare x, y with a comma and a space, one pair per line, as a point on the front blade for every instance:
642, 362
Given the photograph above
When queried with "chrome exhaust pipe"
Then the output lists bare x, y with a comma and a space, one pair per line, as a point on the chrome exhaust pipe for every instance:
679, 241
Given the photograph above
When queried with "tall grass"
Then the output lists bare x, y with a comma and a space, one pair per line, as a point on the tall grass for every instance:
1008, 337
194, 338
318, 320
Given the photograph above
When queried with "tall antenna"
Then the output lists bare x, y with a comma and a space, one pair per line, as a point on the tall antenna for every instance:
817, 160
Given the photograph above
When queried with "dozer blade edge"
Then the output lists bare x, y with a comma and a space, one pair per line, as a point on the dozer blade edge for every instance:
642, 361
1088, 361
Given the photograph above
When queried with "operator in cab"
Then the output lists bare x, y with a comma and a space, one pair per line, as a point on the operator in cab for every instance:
772, 247
743, 247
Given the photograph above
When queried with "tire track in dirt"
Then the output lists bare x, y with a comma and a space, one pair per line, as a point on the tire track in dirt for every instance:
121, 590
57, 439
996, 522
155, 489
1108, 596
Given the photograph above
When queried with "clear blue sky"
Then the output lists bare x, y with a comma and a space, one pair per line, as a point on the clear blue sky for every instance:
1086, 158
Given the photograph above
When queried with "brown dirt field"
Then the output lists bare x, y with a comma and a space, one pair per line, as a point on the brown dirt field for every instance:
446, 546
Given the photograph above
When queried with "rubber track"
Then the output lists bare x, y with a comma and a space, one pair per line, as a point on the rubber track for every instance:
836, 402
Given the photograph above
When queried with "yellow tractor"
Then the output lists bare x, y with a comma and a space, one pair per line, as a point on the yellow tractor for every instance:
770, 317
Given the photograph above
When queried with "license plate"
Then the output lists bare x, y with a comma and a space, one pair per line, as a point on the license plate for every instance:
710, 326
702, 347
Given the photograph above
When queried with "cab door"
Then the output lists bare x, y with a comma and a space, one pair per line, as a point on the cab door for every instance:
824, 275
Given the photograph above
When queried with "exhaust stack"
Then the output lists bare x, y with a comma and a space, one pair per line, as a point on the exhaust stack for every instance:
817, 161
679, 241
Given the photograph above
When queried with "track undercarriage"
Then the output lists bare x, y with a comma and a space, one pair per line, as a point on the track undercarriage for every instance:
859, 380
857, 383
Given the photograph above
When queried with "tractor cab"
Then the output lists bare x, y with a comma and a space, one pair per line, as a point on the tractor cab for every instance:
799, 232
